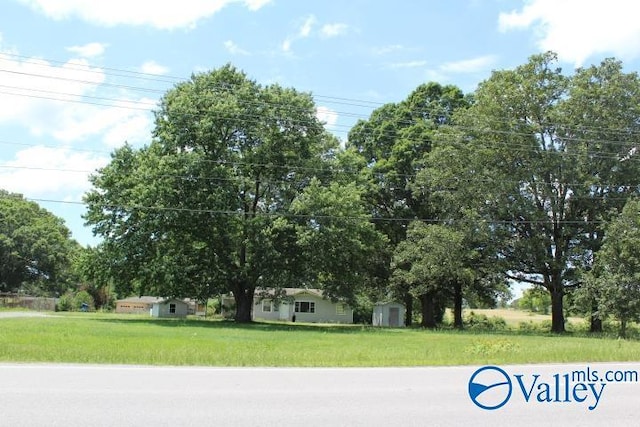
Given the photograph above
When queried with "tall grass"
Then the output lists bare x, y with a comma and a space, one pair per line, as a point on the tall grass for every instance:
93, 338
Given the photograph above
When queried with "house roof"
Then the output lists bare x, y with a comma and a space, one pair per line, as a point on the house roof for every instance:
150, 300
141, 299
290, 292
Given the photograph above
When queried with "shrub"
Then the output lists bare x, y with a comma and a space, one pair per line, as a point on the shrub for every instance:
482, 322
83, 297
65, 302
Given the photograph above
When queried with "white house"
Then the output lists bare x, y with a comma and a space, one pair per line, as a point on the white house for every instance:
302, 305
170, 308
388, 314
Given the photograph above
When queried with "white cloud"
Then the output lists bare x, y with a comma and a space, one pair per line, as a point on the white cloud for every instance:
333, 30
327, 115
234, 49
472, 65
164, 15
286, 45
89, 50
152, 67
50, 100
579, 29
391, 48
39, 171
303, 31
408, 64
256, 4
307, 26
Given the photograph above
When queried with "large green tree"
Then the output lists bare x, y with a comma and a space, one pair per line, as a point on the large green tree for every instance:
391, 144
208, 206
614, 281
35, 248
554, 153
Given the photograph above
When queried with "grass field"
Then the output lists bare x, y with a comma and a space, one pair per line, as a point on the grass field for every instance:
109, 338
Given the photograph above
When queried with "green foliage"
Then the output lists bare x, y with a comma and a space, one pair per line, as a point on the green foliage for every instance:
534, 327
535, 300
72, 301
206, 208
65, 302
479, 321
545, 151
83, 297
614, 282
35, 248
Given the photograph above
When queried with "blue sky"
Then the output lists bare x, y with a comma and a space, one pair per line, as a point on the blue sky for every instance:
78, 78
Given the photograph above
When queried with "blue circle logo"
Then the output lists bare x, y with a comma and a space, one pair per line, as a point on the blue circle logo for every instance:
490, 387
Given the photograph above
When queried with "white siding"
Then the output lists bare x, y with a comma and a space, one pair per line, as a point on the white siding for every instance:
325, 311
163, 309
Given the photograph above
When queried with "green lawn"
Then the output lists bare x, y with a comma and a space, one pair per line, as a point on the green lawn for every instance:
108, 338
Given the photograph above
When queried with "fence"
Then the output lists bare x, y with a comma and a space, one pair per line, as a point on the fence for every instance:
27, 302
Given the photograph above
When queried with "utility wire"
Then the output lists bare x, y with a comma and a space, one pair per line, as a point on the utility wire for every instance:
174, 79
364, 217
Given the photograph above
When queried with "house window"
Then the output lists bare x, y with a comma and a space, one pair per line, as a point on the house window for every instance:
341, 309
266, 306
305, 307
172, 308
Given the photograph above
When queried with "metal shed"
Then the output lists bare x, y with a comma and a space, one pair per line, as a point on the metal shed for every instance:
388, 314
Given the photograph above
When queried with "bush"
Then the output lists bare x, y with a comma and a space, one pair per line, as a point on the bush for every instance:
482, 322
535, 327
65, 302
83, 297
71, 301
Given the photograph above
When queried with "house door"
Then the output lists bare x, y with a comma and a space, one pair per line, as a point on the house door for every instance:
284, 311
394, 317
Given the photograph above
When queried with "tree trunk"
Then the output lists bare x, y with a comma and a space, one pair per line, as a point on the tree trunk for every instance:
623, 328
428, 311
457, 305
408, 303
595, 324
557, 313
244, 303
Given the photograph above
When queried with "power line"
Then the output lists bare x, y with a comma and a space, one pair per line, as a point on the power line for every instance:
329, 169
363, 217
175, 79
251, 118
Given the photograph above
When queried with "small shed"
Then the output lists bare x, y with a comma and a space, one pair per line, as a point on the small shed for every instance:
388, 314
170, 308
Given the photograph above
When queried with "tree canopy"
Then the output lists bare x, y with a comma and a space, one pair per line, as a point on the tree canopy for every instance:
557, 152
35, 248
225, 196
441, 197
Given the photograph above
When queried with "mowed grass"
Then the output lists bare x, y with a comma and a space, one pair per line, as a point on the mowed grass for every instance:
95, 338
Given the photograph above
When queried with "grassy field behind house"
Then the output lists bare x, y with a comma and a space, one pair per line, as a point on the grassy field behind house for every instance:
109, 338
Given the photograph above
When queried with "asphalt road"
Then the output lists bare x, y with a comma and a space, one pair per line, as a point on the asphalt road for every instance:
88, 395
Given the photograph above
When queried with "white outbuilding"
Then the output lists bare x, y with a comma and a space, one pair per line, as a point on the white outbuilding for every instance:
388, 314
170, 308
